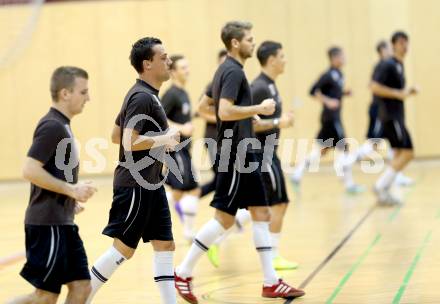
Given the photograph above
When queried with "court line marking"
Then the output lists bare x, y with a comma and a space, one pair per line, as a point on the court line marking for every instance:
335, 250
353, 268
360, 260
413, 265
411, 268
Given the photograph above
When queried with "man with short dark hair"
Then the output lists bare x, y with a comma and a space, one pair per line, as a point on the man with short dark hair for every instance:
54, 250
177, 105
389, 85
329, 90
237, 186
140, 208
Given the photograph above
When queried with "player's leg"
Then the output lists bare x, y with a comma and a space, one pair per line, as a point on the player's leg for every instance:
241, 219
126, 225
204, 238
400, 140
37, 297
163, 265
273, 287
78, 292
107, 264
189, 206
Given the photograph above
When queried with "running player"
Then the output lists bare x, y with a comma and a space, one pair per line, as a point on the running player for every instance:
236, 189
389, 86
272, 60
140, 207
374, 133
177, 106
207, 111
329, 90
54, 250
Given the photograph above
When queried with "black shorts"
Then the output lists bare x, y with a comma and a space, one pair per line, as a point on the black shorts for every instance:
139, 213
375, 128
274, 182
186, 169
236, 189
55, 256
397, 134
331, 134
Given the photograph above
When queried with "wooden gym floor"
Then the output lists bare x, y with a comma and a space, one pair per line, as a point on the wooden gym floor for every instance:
350, 251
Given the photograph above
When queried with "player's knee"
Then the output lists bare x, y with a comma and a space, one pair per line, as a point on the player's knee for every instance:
123, 249
409, 154
80, 290
261, 214
226, 220
163, 245
43, 297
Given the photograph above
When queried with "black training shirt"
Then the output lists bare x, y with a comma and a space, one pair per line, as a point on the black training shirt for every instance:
230, 83
331, 84
391, 73
53, 146
141, 99
263, 88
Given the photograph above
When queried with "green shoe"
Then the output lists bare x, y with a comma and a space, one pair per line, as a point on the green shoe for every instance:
213, 255
282, 264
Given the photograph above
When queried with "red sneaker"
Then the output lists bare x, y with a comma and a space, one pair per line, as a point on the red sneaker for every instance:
281, 290
184, 288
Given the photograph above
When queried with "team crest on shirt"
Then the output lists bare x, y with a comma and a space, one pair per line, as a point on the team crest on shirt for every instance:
185, 108
272, 89
337, 78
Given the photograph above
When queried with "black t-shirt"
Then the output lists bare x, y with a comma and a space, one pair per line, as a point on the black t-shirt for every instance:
391, 73
374, 106
141, 99
177, 106
211, 128
53, 146
331, 84
230, 83
263, 88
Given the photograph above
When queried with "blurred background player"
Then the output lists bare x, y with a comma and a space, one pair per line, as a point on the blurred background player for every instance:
375, 132
329, 90
389, 85
177, 105
211, 133
54, 250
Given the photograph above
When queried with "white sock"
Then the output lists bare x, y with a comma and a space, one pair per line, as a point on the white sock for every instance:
204, 238
390, 155
386, 179
313, 157
225, 235
164, 275
348, 177
366, 149
189, 208
242, 217
263, 245
103, 268
275, 241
